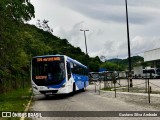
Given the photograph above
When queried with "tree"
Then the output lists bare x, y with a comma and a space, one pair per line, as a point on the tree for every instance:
19, 10
112, 66
12, 14
97, 59
102, 58
44, 25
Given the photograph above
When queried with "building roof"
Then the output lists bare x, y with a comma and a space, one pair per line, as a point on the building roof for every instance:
152, 55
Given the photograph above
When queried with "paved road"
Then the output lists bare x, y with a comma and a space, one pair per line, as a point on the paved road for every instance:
87, 101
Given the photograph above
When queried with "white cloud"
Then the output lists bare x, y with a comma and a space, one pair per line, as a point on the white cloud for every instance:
106, 22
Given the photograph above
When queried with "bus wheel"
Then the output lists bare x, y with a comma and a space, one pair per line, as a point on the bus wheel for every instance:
84, 89
47, 96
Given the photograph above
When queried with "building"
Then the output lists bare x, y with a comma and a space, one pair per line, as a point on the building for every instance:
153, 56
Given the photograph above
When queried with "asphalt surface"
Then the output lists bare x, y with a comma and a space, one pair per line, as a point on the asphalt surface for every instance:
92, 105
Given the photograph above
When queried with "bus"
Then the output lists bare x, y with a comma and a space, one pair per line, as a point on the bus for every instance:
151, 73
94, 76
57, 74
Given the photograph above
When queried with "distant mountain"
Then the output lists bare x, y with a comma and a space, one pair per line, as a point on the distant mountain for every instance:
135, 60
114, 60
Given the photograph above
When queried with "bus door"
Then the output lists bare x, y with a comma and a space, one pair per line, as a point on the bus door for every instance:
68, 70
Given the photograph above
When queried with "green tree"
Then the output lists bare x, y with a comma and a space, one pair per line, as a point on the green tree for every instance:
20, 10
12, 14
111, 66
44, 25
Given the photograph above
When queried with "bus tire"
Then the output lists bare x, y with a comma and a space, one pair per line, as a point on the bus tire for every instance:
46, 96
84, 89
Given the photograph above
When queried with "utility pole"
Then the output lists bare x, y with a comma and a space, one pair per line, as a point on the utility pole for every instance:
85, 39
129, 53
85, 45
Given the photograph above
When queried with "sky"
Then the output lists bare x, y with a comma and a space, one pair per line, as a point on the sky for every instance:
106, 22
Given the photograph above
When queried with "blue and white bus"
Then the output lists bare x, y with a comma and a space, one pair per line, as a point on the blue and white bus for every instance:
57, 74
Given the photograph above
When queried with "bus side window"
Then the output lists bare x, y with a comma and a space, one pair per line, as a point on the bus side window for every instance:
68, 70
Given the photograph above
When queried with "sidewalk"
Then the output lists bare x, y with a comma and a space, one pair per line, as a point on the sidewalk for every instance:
140, 99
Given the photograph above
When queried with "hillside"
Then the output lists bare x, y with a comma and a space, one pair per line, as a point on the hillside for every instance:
20, 42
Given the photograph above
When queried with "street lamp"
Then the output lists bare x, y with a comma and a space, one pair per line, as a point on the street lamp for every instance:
85, 39
129, 53
85, 44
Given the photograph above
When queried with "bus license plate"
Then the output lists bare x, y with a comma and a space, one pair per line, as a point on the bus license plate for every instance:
48, 93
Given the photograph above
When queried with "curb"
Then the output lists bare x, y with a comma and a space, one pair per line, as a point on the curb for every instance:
27, 107
131, 93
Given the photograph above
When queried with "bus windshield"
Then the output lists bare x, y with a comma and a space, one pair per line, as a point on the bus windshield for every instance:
158, 71
48, 72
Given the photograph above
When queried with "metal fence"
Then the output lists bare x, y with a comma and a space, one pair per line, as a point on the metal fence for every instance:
111, 82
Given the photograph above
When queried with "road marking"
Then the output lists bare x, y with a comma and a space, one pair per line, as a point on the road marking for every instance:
27, 107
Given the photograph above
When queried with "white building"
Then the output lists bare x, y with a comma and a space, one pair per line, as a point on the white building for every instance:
153, 56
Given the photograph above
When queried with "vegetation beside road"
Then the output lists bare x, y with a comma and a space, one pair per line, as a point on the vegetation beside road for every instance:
16, 100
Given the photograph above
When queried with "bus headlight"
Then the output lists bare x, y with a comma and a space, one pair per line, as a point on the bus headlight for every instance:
34, 87
63, 85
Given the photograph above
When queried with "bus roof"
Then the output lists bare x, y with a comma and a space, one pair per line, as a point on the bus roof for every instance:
68, 58
48, 56
75, 61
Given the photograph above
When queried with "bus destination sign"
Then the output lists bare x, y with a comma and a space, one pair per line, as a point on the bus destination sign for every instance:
48, 59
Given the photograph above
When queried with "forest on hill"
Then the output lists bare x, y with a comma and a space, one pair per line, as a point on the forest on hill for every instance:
19, 42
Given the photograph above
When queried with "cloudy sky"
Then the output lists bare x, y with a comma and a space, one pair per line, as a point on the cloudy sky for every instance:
106, 21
